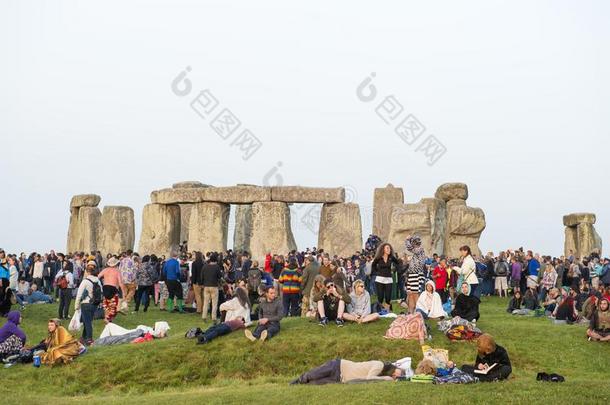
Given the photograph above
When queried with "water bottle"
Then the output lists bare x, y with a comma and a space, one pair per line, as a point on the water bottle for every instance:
37, 361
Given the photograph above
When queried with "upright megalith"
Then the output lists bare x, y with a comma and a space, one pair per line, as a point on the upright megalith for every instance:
409, 220
186, 208
384, 200
160, 229
208, 227
581, 238
117, 229
84, 223
340, 229
271, 231
464, 227
437, 211
243, 227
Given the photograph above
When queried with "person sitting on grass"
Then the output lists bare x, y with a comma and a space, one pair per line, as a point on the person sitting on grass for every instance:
515, 303
12, 338
466, 306
61, 347
331, 305
270, 312
359, 310
429, 303
551, 300
237, 307
599, 326
38, 296
566, 311
530, 300
346, 371
489, 356
221, 329
316, 291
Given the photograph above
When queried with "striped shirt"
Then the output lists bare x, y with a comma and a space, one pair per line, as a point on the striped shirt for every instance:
291, 281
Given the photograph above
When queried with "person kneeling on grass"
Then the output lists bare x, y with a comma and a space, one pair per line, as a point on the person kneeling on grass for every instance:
490, 356
599, 327
346, 371
331, 304
359, 310
270, 312
221, 329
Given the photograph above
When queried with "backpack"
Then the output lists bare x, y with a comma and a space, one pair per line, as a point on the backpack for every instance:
184, 273
96, 298
482, 269
62, 282
502, 269
254, 280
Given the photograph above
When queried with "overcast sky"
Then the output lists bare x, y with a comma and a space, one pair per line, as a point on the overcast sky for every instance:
517, 92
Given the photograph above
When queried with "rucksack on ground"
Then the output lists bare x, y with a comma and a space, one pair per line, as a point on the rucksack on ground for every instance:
254, 280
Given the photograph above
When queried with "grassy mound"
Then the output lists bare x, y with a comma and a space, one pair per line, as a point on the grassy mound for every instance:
232, 369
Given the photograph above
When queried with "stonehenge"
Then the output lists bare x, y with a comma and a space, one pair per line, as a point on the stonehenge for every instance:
90, 229
581, 238
199, 213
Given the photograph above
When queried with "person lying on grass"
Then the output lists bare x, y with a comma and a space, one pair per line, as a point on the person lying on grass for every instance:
359, 310
221, 329
489, 354
599, 327
346, 371
331, 303
270, 312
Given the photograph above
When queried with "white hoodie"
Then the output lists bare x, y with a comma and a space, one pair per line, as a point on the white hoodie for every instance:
431, 303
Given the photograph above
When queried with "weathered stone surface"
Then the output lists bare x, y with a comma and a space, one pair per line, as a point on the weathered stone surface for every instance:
185, 220
452, 191
271, 231
84, 229
456, 201
85, 200
117, 232
588, 240
438, 222
464, 227
189, 184
298, 194
340, 229
177, 195
237, 194
579, 218
208, 227
243, 227
160, 229
409, 220
571, 241
384, 199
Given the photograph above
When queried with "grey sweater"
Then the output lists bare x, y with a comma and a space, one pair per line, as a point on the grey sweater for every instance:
273, 310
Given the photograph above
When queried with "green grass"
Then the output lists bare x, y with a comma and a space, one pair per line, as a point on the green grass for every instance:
233, 370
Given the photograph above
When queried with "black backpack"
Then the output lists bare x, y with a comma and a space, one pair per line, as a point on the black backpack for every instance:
502, 269
96, 298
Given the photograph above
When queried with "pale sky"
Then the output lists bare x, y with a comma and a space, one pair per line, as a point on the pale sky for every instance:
517, 92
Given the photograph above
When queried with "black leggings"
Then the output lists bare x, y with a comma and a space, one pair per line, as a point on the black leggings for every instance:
384, 293
144, 292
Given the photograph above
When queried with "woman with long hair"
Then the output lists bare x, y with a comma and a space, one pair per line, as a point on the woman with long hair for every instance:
468, 270
381, 270
61, 346
492, 359
237, 307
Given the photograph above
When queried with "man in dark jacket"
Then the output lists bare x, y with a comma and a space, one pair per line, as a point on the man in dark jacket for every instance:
211, 275
270, 313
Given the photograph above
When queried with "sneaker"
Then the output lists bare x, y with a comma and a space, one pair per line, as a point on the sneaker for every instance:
339, 323
323, 322
249, 335
264, 335
201, 340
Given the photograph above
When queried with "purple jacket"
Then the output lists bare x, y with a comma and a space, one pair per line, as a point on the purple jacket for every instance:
10, 327
515, 273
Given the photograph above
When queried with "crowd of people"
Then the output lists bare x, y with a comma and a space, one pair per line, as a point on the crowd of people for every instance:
232, 290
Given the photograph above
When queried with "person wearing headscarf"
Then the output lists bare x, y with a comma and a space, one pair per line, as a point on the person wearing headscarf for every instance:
599, 326
429, 303
12, 338
466, 306
61, 346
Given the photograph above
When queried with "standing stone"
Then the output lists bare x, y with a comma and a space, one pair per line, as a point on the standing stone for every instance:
117, 230
185, 209
271, 231
90, 223
464, 227
74, 236
580, 235
160, 229
588, 240
437, 210
571, 241
208, 227
243, 227
340, 229
452, 191
410, 220
79, 233
384, 200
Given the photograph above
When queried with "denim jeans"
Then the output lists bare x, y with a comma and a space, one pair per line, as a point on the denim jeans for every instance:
86, 316
272, 328
217, 330
291, 304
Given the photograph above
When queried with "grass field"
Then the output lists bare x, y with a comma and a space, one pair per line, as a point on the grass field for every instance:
233, 370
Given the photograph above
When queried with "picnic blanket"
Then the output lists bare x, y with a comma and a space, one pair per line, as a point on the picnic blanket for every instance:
407, 327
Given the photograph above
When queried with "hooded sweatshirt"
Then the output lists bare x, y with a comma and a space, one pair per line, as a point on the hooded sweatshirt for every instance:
11, 327
361, 304
430, 303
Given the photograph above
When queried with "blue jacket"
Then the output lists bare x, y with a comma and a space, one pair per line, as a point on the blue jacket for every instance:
533, 266
171, 269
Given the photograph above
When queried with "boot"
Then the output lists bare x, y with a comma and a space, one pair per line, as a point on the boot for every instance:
169, 304
181, 306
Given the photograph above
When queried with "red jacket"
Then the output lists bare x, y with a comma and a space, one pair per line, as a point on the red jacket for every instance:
439, 275
268, 268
